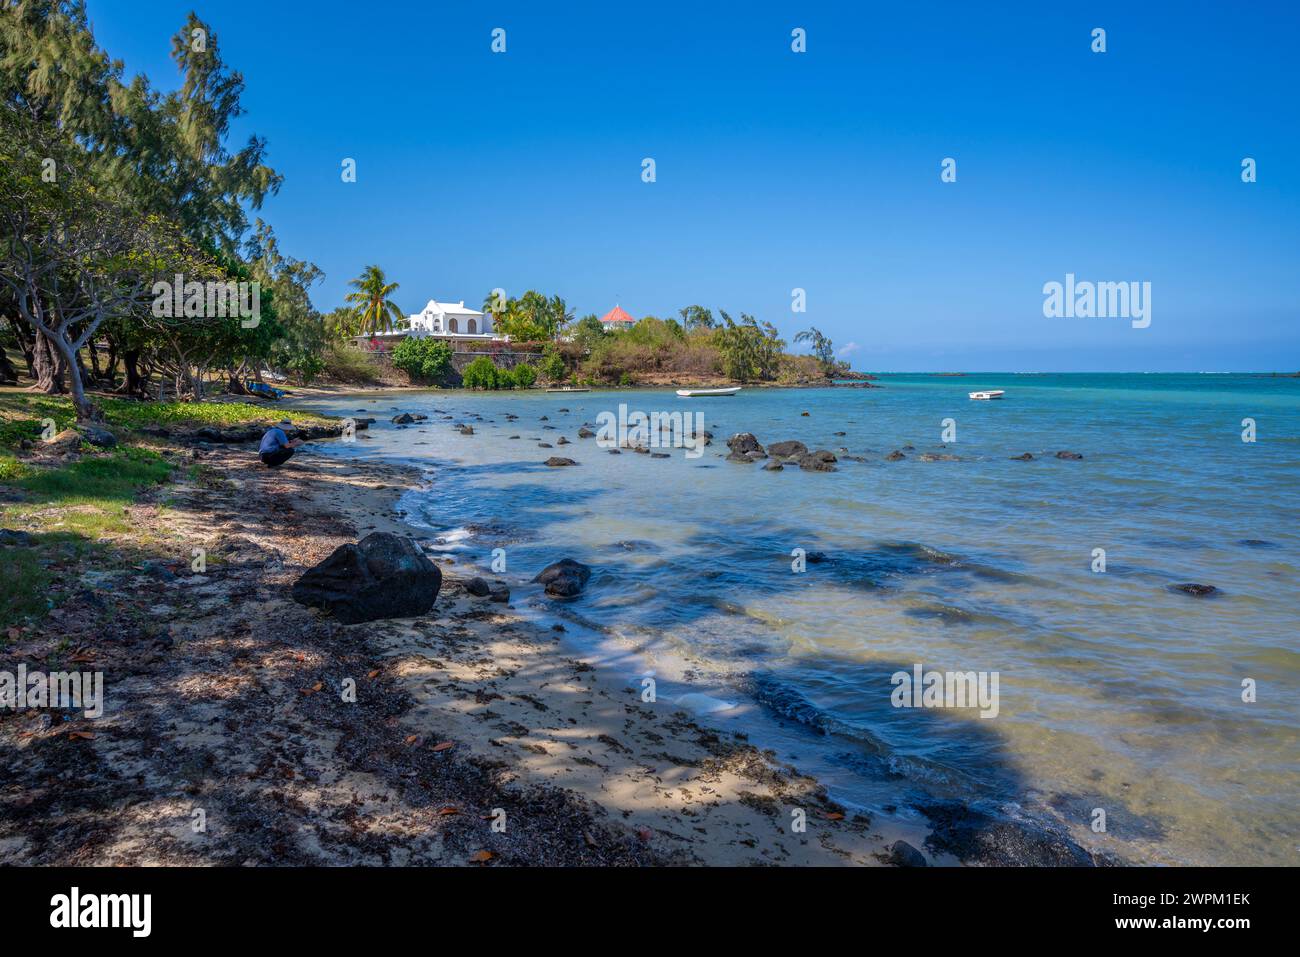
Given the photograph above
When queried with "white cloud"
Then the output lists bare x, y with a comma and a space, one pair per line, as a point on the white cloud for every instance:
849, 349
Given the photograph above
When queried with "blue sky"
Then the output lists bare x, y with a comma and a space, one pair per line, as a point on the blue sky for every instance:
778, 170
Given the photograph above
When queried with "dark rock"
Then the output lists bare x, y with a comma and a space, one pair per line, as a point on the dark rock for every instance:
938, 457
615, 452
1025, 457
556, 461
382, 576
814, 558
805, 413
500, 595
545, 445
742, 443
659, 455
467, 430
564, 578
773, 467
478, 587
562, 441
404, 419
976, 837
1195, 590
1068, 455
791, 449
98, 436
895, 456
586, 433
819, 461
902, 854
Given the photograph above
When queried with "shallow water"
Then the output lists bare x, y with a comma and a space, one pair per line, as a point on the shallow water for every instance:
1114, 691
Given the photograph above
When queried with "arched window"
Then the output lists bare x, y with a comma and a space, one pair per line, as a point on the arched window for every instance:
471, 328
451, 326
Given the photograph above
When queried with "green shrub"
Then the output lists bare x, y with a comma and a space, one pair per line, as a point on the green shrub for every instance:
524, 376
482, 373
422, 358
552, 365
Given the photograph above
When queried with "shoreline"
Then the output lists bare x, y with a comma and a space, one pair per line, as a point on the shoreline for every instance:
224, 696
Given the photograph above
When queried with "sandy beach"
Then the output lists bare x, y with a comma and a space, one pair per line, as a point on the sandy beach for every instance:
228, 736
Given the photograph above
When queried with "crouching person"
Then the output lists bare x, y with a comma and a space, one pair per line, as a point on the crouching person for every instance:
276, 447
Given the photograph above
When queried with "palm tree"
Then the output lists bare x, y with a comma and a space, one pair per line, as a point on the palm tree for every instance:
378, 312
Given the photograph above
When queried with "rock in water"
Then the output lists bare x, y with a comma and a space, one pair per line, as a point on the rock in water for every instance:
564, 578
382, 576
745, 448
787, 450
1024, 457
902, 854
1196, 590
478, 587
819, 461
1068, 455
558, 461
404, 419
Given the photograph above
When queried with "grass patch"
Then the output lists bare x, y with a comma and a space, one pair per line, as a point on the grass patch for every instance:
21, 414
100, 480
69, 510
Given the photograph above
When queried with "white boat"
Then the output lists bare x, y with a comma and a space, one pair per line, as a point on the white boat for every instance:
988, 394
697, 393
569, 388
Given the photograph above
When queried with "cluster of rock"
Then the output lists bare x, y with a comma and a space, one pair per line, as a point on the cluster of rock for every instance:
746, 448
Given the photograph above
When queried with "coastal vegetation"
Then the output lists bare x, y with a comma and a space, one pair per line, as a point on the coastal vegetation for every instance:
123, 208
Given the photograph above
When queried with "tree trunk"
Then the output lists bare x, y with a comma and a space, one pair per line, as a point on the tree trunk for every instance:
49, 367
134, 384
8, 373
87, 411
24, 336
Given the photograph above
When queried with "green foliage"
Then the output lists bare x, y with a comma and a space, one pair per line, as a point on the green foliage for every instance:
531, 318
822, 347
696, 317
371, 300
588, 331
482, 373
552, 365
425, 358
750, 351
524, 376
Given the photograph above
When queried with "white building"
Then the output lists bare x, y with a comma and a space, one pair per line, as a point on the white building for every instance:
460, 326
450, 319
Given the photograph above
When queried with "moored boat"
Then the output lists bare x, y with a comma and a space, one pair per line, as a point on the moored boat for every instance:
988, 394
700, 393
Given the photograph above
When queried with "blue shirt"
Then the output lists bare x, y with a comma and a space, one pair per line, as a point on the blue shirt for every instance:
273, 440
